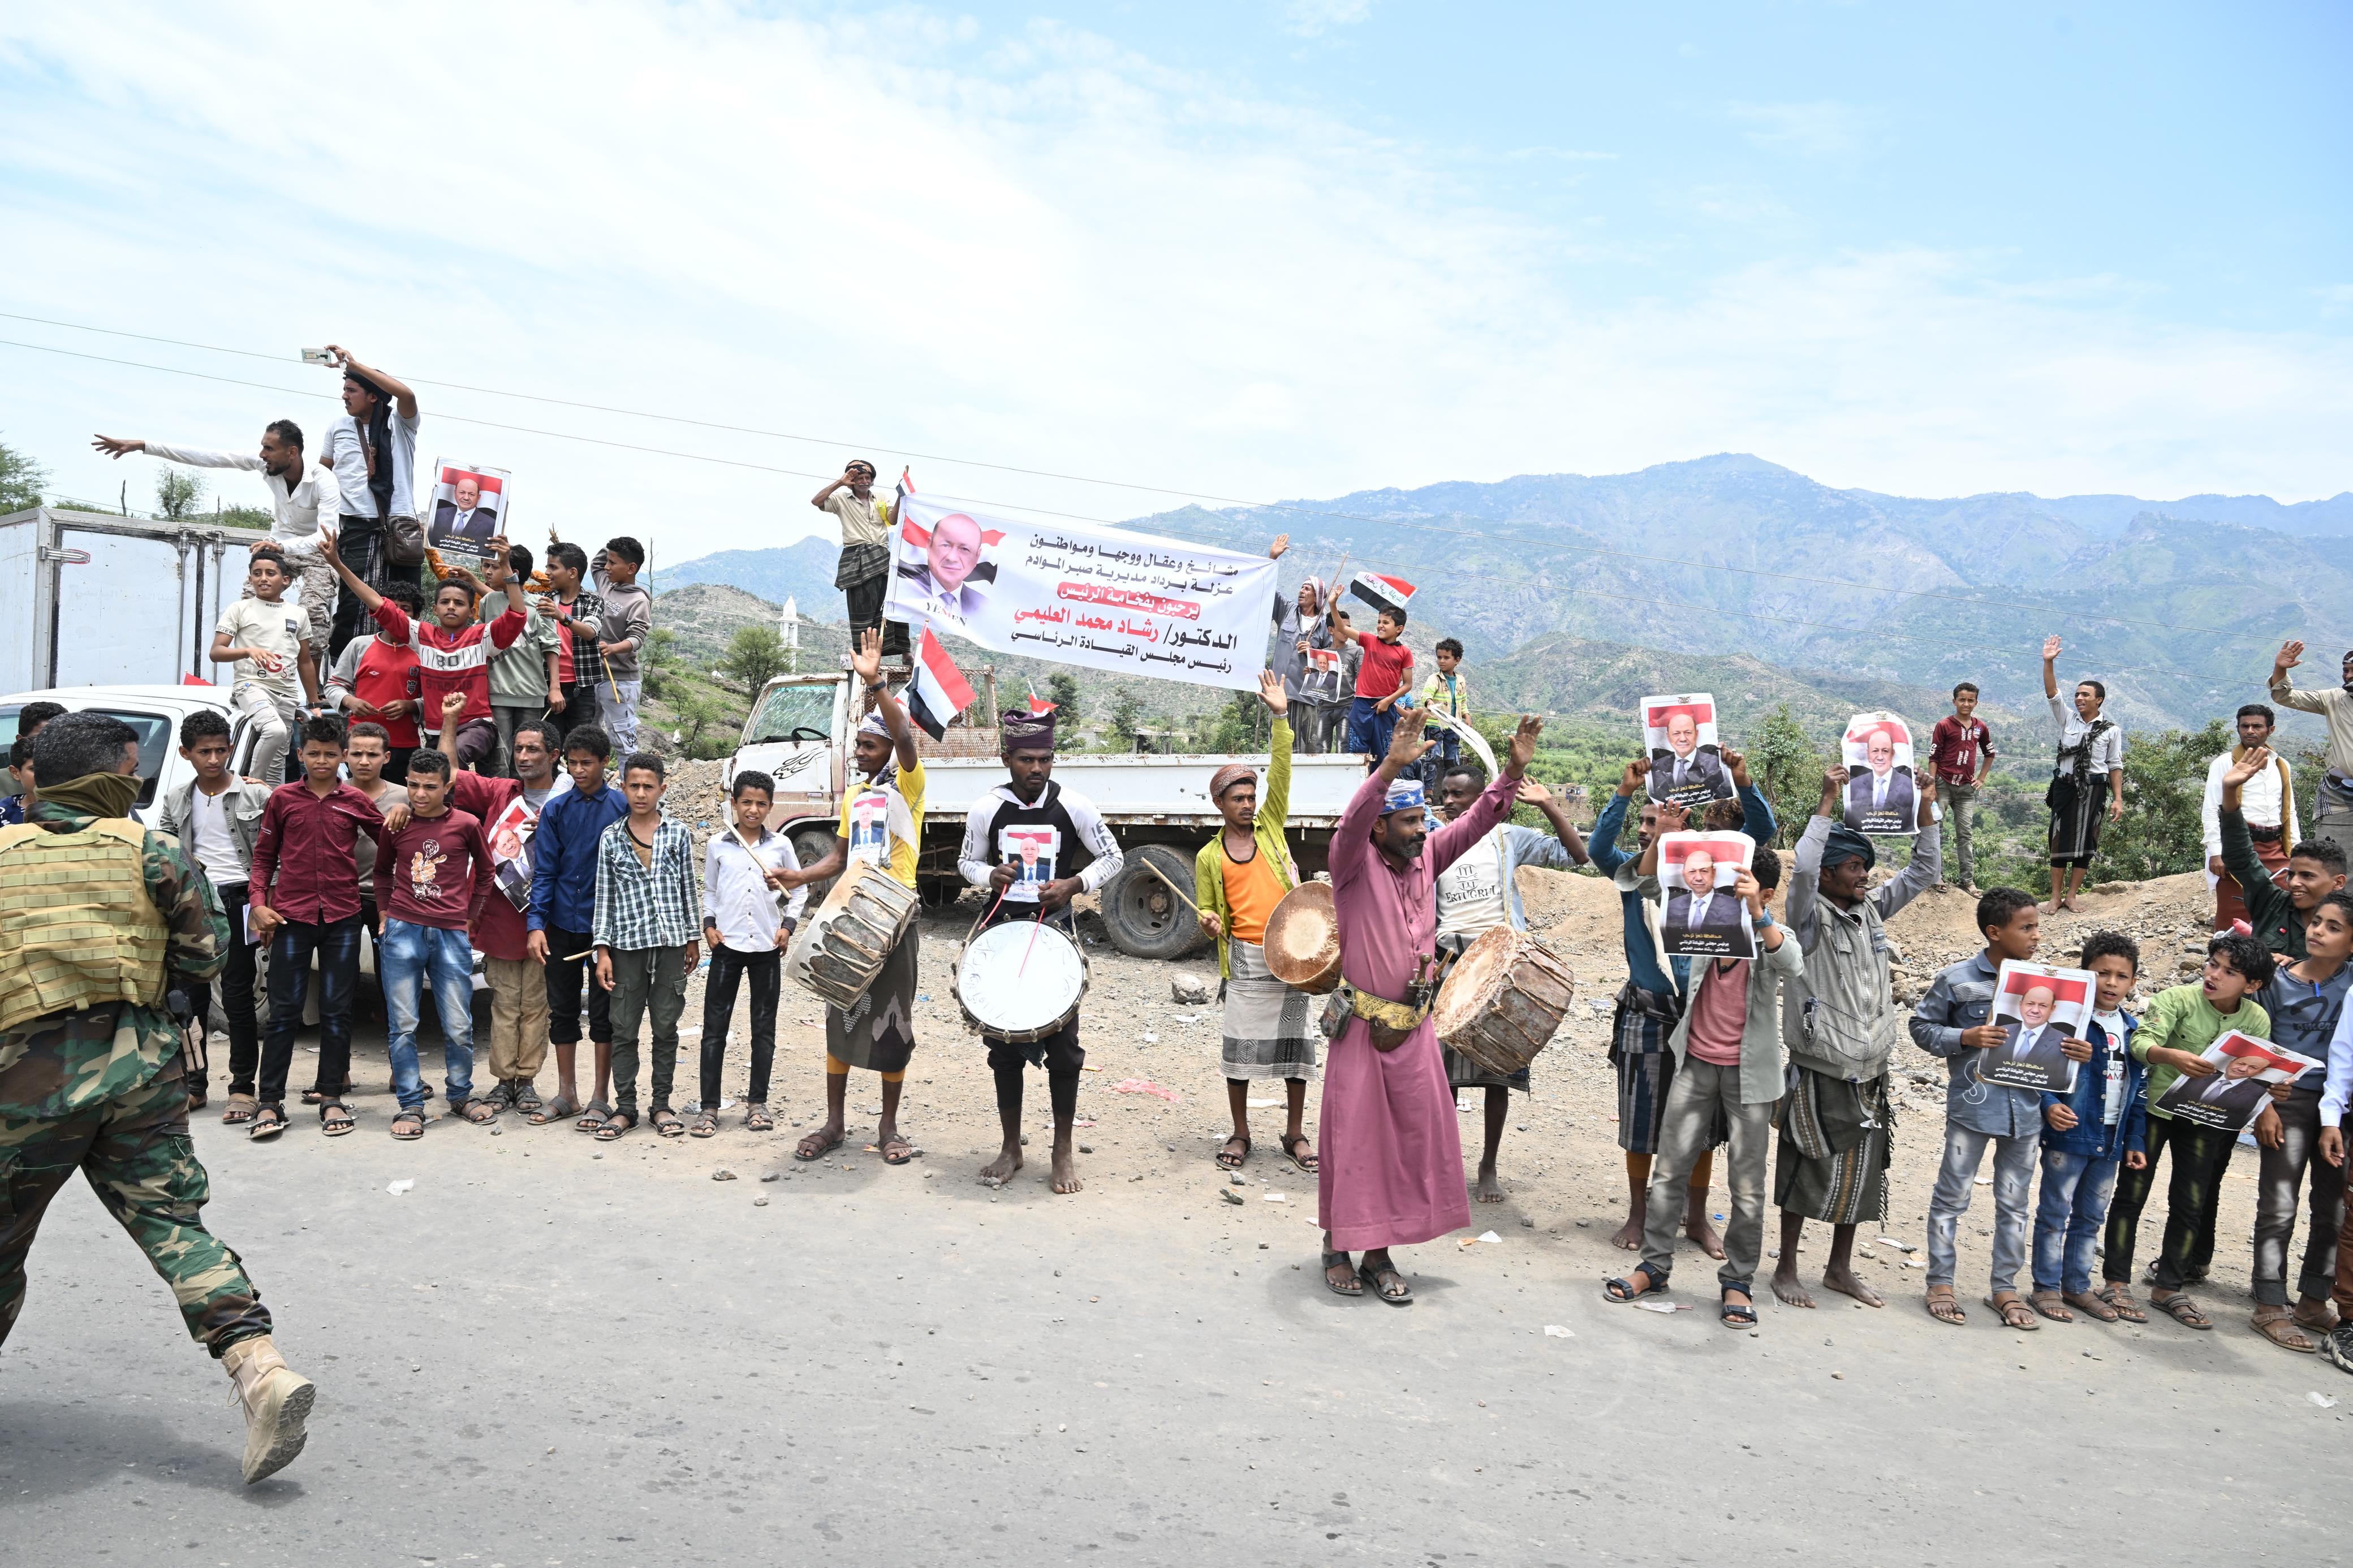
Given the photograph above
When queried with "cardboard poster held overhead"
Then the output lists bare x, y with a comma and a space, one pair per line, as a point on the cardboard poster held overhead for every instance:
1882, 795
1686, 762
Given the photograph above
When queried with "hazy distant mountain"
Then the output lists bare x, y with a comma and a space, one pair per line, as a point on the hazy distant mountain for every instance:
2175, 605
801, 572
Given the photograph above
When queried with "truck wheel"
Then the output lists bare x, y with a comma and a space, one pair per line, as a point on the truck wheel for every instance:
1145, 919
810, 844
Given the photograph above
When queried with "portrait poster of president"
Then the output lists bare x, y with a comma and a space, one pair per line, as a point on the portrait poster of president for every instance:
466, 509
1082, 593
2039, 1008
1702, 915
1882, 795
1686, 762
2226, 1099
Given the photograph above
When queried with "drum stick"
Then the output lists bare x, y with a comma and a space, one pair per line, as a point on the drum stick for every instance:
1171, 886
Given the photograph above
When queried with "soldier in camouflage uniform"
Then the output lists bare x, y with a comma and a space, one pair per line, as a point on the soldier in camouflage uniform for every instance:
102, 923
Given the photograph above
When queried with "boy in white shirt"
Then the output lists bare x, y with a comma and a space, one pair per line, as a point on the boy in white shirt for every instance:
277, 668
741, 874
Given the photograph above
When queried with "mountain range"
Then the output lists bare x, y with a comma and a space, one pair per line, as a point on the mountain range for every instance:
1563, 588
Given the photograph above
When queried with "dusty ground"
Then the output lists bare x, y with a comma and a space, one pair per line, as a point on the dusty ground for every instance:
549, 1352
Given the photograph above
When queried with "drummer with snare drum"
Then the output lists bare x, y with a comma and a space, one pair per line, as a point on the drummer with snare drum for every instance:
1034, 846
1478, 893
881, 824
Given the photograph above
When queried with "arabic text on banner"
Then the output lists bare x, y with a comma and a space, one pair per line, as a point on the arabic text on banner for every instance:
1091, 596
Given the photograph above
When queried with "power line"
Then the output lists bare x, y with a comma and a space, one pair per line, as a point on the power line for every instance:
1517, 540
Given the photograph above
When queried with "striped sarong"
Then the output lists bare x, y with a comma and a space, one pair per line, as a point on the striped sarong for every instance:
1837, 1140
1268, 1033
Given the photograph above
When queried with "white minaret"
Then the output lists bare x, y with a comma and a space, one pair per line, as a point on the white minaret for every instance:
789, 627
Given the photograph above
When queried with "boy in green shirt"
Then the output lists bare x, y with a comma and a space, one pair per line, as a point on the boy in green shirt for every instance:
2172, 1041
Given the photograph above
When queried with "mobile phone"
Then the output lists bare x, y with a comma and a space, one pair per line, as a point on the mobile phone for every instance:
316, 356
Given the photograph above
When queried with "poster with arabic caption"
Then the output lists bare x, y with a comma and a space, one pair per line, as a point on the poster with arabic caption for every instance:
1092, 596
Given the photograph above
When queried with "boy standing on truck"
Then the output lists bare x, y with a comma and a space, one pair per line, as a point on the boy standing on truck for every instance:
276, 669
524, 682
374, 682
883, 826
579, 618
1384, 676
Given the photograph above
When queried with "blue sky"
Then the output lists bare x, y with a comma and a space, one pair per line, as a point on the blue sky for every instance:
1251, 250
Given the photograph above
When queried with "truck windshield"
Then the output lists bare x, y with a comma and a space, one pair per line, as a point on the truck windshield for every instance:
792, 714
155, 744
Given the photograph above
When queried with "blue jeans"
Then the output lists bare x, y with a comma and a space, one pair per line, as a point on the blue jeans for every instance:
1368, 732
337, 946
410, 955
2013, 1174
2068, 1217
1442, 755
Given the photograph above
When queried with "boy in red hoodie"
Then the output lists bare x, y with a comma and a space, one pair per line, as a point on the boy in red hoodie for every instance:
454, 654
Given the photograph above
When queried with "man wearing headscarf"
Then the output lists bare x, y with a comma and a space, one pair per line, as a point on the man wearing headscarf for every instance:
1034, 846
1239, 877
1391, 1165
373, 451
2333, 812
1300, 626
1837, 1019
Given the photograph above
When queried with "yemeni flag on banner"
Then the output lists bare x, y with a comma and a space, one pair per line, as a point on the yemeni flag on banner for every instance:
1381, 593
938, 691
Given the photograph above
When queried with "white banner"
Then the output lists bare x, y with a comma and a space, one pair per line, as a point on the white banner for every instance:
1083, 595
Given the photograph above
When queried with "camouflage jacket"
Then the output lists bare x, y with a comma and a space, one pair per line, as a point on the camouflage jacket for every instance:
68, 1062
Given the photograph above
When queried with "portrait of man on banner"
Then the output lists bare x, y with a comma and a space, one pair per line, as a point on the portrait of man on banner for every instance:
950, 559
468, 509
1686, 765
1881, 797
1704, 916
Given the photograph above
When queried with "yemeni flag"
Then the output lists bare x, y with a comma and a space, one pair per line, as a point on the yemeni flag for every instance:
938, 691
1381, 593
1036, 703
906, 489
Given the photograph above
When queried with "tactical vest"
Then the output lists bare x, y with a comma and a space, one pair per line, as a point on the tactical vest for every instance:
77, 926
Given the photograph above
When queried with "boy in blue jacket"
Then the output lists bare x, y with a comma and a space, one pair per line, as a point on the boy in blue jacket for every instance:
2087, 1136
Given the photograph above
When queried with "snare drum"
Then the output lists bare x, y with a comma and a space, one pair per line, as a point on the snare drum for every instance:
1020, 982
845, 940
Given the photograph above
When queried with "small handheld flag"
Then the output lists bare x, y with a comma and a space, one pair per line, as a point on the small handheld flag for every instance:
938, 691
1381, 593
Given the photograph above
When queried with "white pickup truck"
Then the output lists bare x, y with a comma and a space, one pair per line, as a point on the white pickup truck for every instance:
154, 711
1157, 807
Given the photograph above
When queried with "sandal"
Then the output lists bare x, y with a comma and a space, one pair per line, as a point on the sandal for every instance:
2286, 1332
2182, 1310
321, 1096
666, 1121
2118, 1298
816, 1145
336, 1119
413, 1118
477, 1109
2090, 1306
706, 1122
1619, 1292
1944, 1308
268, 1122
1400, 1297
563, 1108
240, 1110
613, 1126
525, 1098
2015, 1313
1292, 1143
198, 1097
594, 1118
1339, 1287
1231, 1158
1737, 1314
897, 1150
758, 1119
2049, 1303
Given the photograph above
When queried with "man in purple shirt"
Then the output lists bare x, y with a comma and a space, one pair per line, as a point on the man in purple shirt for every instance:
306, 900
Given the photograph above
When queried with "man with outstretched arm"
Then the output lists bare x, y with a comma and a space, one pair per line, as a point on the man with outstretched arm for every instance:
1837, 1019
1031, 821
2333, 812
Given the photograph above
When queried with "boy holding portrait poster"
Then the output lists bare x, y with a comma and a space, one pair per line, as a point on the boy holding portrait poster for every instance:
1881, 797
1963, 1020
469, 510
2088, 1134
1686, 762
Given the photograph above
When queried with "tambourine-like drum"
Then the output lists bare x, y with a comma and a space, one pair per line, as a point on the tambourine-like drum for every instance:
1503, 1001
1302, 940
1020, 982
845, 940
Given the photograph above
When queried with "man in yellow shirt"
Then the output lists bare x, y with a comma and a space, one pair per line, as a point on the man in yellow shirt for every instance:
881, 824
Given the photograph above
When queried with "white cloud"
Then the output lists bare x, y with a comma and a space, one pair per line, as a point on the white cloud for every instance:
1053, 254
1313, 18
1819, 129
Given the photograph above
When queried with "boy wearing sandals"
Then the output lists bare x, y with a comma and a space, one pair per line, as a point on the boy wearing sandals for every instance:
747, 933
1729, 1066
1952, 1021
215, 817
647, 926
2171, 1042
2087, 1136
2306, 999
432, 873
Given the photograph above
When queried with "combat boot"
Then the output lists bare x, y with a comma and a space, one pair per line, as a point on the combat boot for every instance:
277, 1400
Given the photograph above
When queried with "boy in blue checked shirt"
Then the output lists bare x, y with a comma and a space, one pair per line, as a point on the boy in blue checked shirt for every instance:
648, 925
2087, 1136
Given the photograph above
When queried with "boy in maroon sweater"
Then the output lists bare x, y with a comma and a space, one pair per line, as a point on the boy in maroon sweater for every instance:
454, 654
432, 875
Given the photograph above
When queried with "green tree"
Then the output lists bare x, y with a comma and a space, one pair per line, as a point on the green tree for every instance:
2163, 833
177, 491
251, 517
1126, 713
701, 725
1063, 691
21, 479
663, 667
1785, 764
753, 656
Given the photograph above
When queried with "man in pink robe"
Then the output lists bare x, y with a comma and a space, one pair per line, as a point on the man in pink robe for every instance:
1391, 1167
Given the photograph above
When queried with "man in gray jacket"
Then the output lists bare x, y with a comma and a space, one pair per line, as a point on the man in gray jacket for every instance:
216, 816
1728, 1065
1838, 1023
